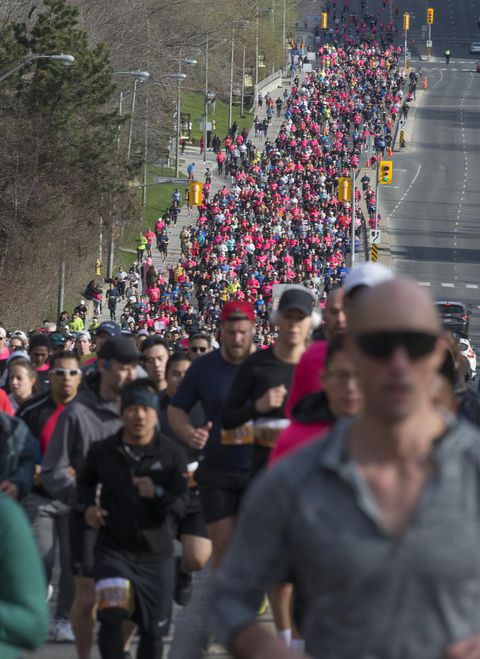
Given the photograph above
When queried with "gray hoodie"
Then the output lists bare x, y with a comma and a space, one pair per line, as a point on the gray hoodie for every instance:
85, 420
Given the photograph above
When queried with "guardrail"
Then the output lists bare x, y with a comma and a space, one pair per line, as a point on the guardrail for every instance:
275, 77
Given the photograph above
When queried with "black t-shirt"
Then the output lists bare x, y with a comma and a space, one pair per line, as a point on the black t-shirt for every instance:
208, 381
197, 419
260, 372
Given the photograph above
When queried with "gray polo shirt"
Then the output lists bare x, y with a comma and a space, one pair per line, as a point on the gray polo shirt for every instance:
360, 593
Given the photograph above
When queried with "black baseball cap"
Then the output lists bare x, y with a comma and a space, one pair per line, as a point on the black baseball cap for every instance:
109, 327
120, 348
298, 299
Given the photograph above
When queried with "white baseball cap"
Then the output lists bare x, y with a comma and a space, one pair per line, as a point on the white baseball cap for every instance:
367, 274
3, 333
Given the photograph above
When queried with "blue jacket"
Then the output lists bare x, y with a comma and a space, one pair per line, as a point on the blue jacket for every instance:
17, 453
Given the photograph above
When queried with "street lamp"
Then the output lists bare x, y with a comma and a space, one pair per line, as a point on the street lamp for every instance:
237, 24
139, 76
207, 43
189, 62
172, 76
142, 76
67, 60
258, 13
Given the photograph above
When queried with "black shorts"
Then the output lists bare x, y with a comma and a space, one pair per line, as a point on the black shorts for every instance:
221, 491
259, 459
152, 579
82, 545
193, 523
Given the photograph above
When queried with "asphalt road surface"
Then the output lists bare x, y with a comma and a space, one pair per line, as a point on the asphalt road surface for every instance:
432, 207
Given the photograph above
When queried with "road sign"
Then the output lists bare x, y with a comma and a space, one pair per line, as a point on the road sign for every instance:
374, 254
429, 43
401, 123
375, 235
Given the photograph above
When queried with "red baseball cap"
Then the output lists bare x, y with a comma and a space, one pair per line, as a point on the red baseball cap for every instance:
238, 310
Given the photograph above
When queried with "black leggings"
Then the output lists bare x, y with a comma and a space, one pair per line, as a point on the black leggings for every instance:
110, 638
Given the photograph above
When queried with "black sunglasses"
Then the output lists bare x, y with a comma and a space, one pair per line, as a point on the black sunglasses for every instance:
198, 349
382, 345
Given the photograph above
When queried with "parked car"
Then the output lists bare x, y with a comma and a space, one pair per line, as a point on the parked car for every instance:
455, 317
465, 348
475, 48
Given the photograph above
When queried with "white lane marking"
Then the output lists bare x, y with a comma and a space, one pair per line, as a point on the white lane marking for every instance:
447, 285
424, 283
441, 78
406, 191
471, 286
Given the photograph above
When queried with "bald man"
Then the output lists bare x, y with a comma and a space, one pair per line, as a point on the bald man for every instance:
378, 525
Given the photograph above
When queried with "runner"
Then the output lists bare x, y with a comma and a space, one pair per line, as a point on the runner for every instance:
258, 395
260, 388
93, 416
154, 358
141, 474
225, 462
50, 517
191, 529
389, 473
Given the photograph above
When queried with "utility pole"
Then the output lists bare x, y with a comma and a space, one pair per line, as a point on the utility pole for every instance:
352, 235
206, 102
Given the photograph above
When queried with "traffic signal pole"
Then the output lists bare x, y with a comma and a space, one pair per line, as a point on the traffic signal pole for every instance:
352, 262
377, 190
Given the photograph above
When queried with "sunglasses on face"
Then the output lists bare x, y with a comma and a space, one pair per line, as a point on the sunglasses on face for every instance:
198, 349
64, 372
382, 345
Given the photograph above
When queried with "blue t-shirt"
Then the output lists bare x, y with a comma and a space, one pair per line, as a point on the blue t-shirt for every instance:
209, 380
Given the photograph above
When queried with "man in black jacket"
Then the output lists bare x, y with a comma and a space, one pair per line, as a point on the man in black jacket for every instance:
141, 474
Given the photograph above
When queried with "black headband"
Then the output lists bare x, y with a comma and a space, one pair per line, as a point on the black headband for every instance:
139, 396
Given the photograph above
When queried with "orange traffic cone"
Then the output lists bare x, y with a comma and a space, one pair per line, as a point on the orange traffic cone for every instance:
367, 164
389, 151
425, 83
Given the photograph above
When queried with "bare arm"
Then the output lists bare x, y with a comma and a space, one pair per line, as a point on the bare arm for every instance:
181, 425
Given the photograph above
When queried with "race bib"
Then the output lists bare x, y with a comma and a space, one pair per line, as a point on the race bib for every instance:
114, 593
191, 469
240, 436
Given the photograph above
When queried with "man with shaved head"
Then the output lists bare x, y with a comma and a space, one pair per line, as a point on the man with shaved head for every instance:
378, 525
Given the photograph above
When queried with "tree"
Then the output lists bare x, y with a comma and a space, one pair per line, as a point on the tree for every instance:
58, 160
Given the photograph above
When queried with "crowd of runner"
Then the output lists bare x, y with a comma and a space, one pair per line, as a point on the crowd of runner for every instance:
189, 409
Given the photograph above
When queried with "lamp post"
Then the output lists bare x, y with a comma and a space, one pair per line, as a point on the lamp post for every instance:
207, 43
190, 62
238, 24
172, 76
67, 60
137, 75
258, 13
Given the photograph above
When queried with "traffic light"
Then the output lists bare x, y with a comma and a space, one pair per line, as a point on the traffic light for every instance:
406, 21
324, 20
195, 193
386, 172
344, 191
430, 13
